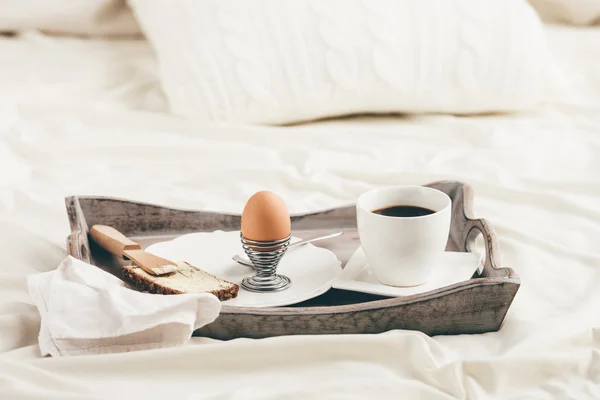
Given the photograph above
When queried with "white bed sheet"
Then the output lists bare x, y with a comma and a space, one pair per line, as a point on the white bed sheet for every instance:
79, 117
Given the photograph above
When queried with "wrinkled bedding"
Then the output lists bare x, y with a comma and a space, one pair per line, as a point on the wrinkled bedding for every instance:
88, 117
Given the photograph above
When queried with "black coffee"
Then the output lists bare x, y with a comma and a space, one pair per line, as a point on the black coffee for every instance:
403, 211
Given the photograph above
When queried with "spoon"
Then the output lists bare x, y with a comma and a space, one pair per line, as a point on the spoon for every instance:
247, 263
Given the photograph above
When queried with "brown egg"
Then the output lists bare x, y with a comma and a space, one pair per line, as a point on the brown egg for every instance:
265, 217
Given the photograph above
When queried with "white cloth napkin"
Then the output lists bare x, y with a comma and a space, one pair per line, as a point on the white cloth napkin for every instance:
85, 310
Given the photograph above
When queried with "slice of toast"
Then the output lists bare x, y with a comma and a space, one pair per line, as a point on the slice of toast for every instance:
194, 281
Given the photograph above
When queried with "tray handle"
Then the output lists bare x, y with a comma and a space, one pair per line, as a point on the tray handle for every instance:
77, 242
492, 253
78, 248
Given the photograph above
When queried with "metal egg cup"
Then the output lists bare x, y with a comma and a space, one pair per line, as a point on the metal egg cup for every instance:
265, 256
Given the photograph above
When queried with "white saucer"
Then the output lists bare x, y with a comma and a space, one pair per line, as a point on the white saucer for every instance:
311, 269
357, 276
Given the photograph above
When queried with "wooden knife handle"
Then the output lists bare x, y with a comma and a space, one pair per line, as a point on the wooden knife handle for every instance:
112, 240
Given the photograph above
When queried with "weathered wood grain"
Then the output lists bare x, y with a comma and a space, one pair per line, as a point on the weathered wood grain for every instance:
474, 306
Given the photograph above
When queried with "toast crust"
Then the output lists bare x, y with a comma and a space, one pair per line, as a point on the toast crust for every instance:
145, 283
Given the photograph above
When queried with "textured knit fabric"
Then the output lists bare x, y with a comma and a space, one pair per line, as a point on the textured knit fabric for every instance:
271, 61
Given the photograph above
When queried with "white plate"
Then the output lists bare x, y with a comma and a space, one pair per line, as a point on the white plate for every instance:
311, 269
358, 276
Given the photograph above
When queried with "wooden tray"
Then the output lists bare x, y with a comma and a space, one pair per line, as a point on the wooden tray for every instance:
473, 306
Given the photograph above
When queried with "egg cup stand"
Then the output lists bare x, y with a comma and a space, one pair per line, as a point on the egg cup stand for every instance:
265, 256
473, 306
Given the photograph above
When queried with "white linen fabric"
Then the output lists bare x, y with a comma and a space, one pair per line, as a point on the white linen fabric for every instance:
89, 17
85, 310
575, 12
535, 177
270, 61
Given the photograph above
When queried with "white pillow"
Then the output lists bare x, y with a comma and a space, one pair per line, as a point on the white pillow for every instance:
273, 61
80, 17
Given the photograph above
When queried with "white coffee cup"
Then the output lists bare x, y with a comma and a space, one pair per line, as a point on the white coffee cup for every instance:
402, 251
